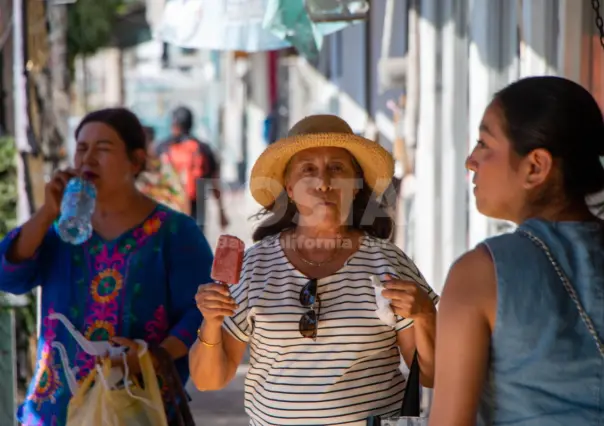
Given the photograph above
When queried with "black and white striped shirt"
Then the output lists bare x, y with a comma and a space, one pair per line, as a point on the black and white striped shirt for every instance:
352, 369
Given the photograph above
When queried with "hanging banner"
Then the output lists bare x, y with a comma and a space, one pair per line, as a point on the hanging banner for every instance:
289, 20
218, 25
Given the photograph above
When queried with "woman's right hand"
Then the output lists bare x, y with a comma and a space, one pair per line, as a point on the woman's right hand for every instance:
53, 192
214, 301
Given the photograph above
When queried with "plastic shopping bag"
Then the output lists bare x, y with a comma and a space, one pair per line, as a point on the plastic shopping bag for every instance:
96, 403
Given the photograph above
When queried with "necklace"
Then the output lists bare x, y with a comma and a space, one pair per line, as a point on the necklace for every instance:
312, 262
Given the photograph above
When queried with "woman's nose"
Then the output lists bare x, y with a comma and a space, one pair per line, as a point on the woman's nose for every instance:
471, 163
89, 157
324, 182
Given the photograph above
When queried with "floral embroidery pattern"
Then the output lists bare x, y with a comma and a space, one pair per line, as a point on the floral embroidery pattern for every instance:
150, 227
105, 260
105, 312
103, 319
47, 380
100, 331
128, 245
157, 328
85, 364
106, 286
113, 291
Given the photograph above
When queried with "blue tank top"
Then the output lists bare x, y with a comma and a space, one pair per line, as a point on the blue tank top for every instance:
545, 368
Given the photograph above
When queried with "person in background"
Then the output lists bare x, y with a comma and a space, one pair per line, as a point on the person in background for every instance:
159, 180
305, 303
193, 160
519, 336
135, 278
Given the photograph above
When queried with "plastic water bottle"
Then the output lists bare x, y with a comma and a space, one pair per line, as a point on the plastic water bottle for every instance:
79, 199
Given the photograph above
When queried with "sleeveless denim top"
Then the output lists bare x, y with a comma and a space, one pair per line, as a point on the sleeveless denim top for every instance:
545, 368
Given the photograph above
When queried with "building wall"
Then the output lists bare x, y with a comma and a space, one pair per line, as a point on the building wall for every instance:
345, 79
98, 81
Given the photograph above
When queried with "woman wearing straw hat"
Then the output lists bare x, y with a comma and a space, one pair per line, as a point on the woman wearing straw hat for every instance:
305, 302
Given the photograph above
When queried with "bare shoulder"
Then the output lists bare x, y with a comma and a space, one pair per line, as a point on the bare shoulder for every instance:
477, 261
472, 282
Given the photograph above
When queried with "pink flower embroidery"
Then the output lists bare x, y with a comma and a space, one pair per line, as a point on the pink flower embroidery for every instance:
106, 260
85, 364
157, 327
49, 328
103, 312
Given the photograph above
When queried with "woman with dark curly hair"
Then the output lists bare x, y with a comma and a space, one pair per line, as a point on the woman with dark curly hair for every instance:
305, 304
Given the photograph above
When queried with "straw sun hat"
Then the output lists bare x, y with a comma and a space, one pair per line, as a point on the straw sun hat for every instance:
267, 178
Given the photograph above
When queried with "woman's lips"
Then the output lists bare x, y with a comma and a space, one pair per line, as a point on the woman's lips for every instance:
89, 175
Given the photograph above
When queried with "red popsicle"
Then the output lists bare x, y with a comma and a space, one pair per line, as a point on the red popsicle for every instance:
228, 260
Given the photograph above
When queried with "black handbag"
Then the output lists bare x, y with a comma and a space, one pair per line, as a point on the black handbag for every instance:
411, 401
177, 398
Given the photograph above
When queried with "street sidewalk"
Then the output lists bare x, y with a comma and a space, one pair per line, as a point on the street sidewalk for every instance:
220, 408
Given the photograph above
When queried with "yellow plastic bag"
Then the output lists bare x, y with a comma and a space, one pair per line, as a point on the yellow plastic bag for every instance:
97, 404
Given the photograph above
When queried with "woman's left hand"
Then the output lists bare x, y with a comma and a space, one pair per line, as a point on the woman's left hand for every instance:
408, 299
134, 366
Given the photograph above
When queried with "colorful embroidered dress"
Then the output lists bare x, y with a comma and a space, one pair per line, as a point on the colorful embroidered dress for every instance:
140, 285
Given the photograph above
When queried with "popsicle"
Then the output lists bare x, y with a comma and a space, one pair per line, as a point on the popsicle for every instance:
228, 259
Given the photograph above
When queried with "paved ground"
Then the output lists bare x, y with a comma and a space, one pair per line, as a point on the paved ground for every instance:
225, 407
220, 408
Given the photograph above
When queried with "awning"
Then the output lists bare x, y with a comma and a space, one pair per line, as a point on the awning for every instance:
218, 25
243, 25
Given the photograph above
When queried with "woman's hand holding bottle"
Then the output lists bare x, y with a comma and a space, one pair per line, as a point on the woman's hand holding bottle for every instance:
53, 193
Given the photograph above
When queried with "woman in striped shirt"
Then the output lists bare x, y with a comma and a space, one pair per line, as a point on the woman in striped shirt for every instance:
305, 303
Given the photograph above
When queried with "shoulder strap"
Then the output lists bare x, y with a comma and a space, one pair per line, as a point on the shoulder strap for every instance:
568, 286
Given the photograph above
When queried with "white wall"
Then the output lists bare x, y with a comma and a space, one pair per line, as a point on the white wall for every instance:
493, 65
233, 103
427, 196
257, 107
312, 93
454, 135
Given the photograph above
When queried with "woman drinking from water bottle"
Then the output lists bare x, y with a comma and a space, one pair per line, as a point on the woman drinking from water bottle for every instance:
134, 278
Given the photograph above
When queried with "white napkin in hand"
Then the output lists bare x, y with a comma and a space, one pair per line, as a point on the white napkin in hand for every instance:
383, 311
